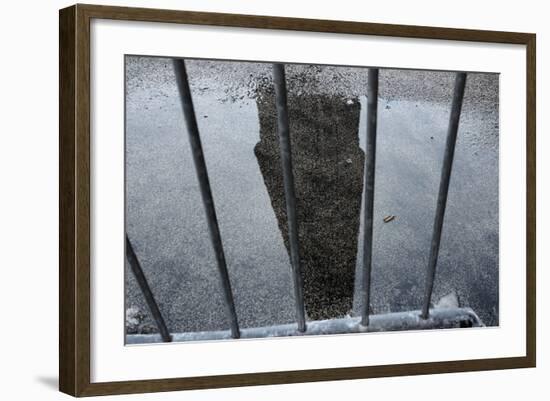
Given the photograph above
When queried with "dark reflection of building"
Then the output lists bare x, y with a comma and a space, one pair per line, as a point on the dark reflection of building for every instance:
328, 171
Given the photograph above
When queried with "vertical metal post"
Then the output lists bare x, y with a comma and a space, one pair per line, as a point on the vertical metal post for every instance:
206, 193
370, 164
458, 96
146, 291
290, 196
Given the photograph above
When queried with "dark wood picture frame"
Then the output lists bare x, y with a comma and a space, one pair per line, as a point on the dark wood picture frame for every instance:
74, 199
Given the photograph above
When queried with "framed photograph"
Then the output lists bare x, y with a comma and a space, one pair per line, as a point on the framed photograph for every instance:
250, 200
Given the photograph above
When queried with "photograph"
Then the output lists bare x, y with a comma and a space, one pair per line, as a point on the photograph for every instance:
258, 199
272, 199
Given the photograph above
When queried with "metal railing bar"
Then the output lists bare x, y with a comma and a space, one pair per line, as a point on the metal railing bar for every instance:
283, 131
458, 96
370, 164
206, 193
146, 291
445, 318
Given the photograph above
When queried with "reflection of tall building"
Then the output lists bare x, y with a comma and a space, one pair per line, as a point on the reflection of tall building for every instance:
328, 172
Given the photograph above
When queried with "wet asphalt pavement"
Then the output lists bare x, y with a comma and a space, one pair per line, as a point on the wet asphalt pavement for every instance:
167, 226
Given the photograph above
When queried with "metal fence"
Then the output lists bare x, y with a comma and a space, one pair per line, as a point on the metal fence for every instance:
425, 318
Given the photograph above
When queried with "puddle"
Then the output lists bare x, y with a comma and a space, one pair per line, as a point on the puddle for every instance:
410, 145
166, 222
